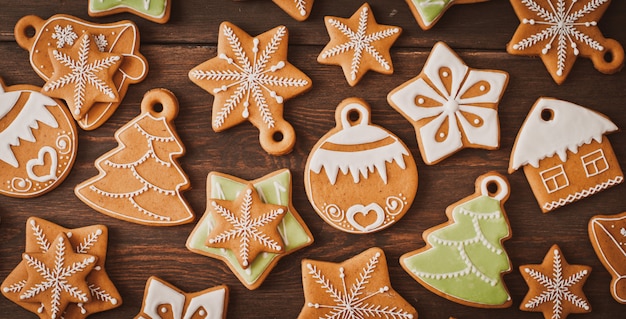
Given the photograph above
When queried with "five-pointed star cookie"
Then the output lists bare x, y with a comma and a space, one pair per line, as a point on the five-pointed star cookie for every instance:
83, 75
247, 226
555, 287
558, 31
273, 189
250, 79
91, 240
356, 288
359, 44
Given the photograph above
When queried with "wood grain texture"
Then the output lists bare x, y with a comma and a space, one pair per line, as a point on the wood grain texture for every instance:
478, 32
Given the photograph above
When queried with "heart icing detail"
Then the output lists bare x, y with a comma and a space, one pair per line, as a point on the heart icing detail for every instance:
365, 210
39, 161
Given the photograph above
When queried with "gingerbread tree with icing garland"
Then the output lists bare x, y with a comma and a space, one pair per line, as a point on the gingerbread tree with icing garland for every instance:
467, 251
141, 181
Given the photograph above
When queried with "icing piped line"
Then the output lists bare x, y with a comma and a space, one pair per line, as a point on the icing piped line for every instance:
582, 194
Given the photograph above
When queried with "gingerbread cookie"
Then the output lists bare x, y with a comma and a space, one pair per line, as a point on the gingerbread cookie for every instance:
464, 259
451, 105
38, 141
154, 10
163, 300
38, 285
356, 288
608, 238
359, 44
359, 177
428, 12
297, 9
141, 181
575, 162
555, 286
109, 58
250, 79
249, 225
558, 31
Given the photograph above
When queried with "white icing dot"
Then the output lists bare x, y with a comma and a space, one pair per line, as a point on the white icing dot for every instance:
163, 310
5, 289
482, 88
476, 121
442, 134
202, 312
420, 101
98, 268
445, 74
69, 234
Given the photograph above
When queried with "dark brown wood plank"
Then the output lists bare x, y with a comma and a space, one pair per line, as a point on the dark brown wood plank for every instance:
136, 252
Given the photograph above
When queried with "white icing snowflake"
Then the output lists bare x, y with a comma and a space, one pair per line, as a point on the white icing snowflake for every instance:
245, 228
82, 73
359, 42
101, 42
64, 35
250, 78
352, 304
56, 280
557, 289
561, 25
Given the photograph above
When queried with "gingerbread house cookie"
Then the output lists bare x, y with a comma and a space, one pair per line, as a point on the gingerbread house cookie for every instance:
564, 153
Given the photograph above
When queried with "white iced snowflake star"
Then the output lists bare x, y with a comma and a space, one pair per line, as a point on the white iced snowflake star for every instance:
360, 41
561, 25
352, 304
556, 288
64, 35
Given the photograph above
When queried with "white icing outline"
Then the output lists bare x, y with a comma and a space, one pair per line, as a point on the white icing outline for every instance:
594, 162
553, 177
551, 205
503, 187
365, 210
39, 161
601, 254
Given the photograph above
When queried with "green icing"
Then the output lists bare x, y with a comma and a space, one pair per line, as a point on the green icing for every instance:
438, 265
430, 10
156, 8
293, 234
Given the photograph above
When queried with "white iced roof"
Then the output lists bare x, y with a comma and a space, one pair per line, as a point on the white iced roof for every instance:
569, 127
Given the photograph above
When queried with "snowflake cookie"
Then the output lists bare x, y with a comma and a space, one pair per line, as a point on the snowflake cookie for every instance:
141, 181
464, 259
555, 287
163, 300
558, 31
250, 79
249, 225
154, 10
608, 238
91, 73
451, 105
62, 272
356, 288
359, 44
428, 12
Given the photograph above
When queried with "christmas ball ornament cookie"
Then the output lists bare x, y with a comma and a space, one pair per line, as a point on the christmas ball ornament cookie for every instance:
38, 141
359, 177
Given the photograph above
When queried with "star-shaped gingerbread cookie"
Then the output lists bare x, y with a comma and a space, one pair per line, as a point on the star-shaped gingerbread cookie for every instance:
90, 240
357, 286
250, 79
558, 31
83, 75
359, 44
270, 193
555, 287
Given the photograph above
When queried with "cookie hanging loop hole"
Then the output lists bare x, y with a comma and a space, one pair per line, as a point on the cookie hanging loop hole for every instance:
160, 103
26, 31
495, 187
354, 113
611, 59
278, 140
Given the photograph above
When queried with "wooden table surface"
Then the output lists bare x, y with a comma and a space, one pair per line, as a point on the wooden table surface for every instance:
478, 32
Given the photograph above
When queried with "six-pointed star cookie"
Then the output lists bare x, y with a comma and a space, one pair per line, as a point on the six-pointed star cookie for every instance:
250, 79
428, 12
359, 44
273, 189
558, 31
356, 288
555, 287
83, 75
91, 240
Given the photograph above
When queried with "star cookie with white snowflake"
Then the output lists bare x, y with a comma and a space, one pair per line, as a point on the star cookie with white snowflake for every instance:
359, 44
451, 105
428, 12
93, 64
249, 225
555, 286
93, 293
251, 79
559, 31
356, 288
